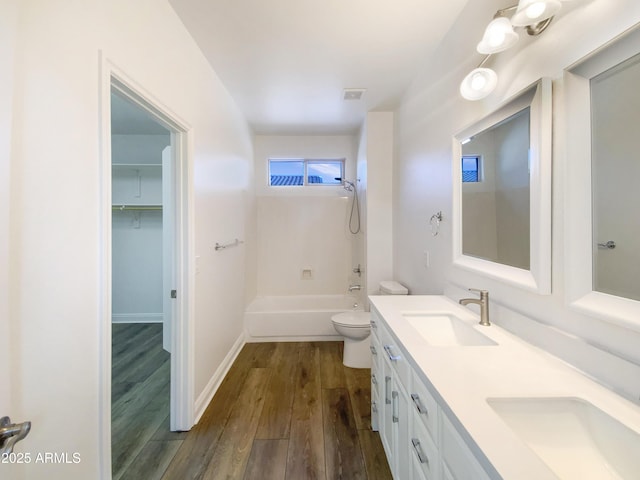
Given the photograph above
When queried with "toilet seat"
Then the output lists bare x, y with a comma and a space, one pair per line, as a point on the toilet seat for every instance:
352, 319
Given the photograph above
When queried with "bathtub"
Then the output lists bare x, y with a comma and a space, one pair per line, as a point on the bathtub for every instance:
296, 317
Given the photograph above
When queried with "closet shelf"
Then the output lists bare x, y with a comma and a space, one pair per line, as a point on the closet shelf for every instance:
136, 207
136, 165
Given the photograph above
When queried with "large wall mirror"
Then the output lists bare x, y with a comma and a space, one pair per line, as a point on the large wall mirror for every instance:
603, 219
502, 192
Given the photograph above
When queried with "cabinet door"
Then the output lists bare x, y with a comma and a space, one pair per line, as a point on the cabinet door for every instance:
446, 474
462, 464
425, 456
424, 406
376, 383
386, 412
400, 418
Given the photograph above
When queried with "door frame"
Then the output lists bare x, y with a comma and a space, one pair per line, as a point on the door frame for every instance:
182, 361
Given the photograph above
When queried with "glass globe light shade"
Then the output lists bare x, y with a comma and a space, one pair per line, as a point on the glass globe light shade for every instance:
530, 12
478, 84
498, 36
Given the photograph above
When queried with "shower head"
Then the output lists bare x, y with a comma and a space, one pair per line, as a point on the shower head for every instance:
348, 186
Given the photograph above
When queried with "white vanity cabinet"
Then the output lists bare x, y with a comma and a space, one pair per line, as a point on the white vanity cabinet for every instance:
390, 412
456, 456
419, 440
377, 380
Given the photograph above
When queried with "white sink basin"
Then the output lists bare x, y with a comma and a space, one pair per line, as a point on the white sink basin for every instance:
446, 330
573, 437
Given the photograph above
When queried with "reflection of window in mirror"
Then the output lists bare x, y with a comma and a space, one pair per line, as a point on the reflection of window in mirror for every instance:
615, 121
471, 169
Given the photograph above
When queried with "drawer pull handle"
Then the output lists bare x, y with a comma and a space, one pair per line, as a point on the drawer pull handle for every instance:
394, 408
374, 380
387, 384
418, 449
418, 403
392, 357
374, 407
373, 350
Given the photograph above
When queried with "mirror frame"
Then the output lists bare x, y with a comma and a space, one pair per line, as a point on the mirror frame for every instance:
578, 243
538, 278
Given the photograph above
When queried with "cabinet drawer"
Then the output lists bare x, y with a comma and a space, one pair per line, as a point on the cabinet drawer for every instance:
423, 450
457, 457
375, 410
425, 407
376, 352
392, 352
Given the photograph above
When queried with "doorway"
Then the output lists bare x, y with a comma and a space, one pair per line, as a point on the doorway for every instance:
146, 300
142, 256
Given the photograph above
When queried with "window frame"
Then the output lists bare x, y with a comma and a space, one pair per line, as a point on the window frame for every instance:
479, 168
305, 176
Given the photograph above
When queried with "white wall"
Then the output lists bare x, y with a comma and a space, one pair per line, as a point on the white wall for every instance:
8, 404
137, 266
55, 179
137, 235
302, 228
433, 111
376, 168
146, 149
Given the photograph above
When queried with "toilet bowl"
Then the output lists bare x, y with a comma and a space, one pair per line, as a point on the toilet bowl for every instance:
355, 327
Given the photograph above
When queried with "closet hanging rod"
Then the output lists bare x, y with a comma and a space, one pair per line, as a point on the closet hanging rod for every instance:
222, 246
136, 207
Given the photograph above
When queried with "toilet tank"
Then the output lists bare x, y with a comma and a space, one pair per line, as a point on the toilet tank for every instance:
391, 287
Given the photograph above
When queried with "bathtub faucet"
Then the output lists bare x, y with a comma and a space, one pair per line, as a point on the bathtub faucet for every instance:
354, 287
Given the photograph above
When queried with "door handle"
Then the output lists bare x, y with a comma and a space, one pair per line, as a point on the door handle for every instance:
11, 433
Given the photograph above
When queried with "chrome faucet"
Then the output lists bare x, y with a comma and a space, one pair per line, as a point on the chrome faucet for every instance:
354, 287
483, 301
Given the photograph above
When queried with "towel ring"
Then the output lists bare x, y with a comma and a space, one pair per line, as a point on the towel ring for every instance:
434, 223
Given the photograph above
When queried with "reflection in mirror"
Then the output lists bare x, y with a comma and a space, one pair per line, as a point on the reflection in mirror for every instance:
615, 171
502, 192
602, 194
495, 192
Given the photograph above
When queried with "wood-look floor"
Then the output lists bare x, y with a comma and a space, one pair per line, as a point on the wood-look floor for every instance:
141, 444
284, 411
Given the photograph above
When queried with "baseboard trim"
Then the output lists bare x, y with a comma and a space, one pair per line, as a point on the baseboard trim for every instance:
303, 338
203, 400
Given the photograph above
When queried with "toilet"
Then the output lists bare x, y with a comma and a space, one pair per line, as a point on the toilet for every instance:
355, 327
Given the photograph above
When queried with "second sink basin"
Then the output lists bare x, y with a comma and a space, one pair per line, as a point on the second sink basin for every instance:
573, 437
446, 330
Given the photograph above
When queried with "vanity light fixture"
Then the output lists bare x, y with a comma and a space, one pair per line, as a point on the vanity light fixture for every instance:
479, 83
498, 36
533, 15
531, 12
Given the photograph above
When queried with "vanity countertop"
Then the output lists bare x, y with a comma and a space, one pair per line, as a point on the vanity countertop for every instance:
464, 377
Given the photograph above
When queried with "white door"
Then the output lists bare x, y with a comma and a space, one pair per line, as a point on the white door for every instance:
8, 375
168, 247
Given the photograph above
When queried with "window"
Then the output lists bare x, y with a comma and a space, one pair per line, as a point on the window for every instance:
291, 172
470, 168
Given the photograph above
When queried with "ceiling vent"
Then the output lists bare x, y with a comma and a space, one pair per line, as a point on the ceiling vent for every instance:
353, 93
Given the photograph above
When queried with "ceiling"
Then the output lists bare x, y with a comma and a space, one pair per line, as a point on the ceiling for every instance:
287, 62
